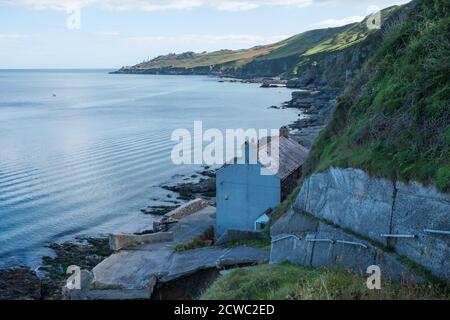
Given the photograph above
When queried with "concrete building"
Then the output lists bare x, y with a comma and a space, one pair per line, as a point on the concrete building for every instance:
245, 196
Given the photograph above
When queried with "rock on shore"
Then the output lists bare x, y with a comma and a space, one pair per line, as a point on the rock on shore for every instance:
317, 106
19, 284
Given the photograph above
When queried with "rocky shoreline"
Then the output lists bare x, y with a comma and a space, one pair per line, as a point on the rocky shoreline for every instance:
316, 106
22, 283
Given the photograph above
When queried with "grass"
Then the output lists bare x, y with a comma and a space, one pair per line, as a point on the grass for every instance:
203, 240
191, 245
206, 59
288, 281
419, 270
256, 243
258, 60
394, 119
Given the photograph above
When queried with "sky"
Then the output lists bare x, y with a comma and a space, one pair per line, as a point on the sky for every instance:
115, 33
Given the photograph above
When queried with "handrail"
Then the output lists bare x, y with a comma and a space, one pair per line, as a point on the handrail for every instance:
286, 237
398, 235
321, 240
442, 232
352, 243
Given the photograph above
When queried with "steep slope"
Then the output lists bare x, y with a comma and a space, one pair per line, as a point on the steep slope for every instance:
394, 119
230, 62
378, 176
317, 57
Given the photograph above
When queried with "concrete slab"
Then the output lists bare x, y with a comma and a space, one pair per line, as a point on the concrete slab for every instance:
132, 269
188, 262
243, 255
194, 225
133, 273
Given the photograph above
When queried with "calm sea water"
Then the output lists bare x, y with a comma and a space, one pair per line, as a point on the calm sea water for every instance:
89, 158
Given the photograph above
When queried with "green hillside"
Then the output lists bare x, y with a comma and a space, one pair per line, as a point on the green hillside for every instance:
294, 46
316, 58
394, 119
193, 60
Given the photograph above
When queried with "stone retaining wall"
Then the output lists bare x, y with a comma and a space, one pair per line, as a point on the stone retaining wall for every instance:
371, 207
317, 244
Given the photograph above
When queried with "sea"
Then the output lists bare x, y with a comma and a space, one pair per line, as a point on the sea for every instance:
83, 151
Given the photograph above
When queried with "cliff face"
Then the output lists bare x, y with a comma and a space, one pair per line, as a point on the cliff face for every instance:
379, 173
316, 58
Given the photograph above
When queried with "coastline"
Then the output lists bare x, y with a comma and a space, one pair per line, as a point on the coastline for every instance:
315, 106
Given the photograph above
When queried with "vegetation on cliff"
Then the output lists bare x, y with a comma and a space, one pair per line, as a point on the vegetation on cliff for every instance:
394, 119
306, 54
288, 281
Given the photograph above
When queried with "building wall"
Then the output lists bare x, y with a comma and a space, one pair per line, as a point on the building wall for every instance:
249, 195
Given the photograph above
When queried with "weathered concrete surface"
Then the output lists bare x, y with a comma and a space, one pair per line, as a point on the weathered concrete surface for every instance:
187, 209
185, 263
235, 235
242, 255
126, 241
132, 269
418, 208
133, 273
188, 262
350, 199
194, 225
329, 251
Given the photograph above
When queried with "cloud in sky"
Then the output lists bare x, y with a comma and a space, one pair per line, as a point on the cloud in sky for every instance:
108, 33
12, 36
155, 5
193, 39
330, 23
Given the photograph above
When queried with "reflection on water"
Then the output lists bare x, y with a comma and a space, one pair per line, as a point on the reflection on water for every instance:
82, 151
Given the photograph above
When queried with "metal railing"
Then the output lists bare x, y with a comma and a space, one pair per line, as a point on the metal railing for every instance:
398, 235
441, 232
332, 241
